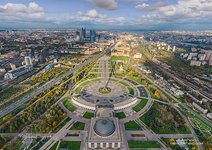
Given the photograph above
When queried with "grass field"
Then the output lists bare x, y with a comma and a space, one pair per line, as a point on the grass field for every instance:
131, 91
78, 126
88, 115
120, 115
114, 58
132, 125
72, 134
75, 145
136, 79
54, 147
201, 126
164, 120
143, 144
141, 105
68, 105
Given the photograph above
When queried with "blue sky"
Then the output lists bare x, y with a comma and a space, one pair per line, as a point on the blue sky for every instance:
107, 14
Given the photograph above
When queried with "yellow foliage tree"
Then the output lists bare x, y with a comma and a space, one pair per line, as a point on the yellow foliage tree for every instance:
54, 124
156, 94
172, 141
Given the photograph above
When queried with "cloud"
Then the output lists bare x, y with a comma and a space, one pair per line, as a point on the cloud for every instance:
183, 9
11, 11
91, 15
94, 17
106, 4
141, 6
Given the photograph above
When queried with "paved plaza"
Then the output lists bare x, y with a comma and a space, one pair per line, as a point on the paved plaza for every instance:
91, 93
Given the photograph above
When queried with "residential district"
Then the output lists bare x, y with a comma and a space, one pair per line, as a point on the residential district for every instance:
89, 89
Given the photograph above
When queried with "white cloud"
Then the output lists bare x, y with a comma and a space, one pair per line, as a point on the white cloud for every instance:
141, 6
11, 11
95, 17
183, 9
106, 4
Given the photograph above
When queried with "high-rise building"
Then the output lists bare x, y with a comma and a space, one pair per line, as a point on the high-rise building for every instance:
174, 48
92, 36
28, 61
83, 33
169, 47
77, 36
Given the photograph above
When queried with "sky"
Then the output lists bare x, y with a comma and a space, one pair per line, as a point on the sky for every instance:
107, 14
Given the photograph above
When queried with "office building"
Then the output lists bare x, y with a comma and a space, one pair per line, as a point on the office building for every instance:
92, 36
83, 33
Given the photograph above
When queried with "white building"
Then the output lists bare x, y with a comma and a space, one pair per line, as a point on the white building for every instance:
179, 93
137, 56
199, 108
28, 61
195, 63
104, 130
182, 144
12, 74
209, 115
2, 70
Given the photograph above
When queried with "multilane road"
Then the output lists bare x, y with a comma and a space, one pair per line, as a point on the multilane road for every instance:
49, 84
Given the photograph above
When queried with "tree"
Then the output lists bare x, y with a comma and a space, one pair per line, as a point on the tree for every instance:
156, 94
54, 123
3, 138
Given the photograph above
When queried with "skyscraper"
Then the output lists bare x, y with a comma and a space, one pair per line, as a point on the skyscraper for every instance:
83, 33
92, 36
77, 35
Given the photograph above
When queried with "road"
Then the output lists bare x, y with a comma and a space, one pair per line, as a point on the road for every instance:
13, 106
191, 129
178, 101
181, 79
185, 82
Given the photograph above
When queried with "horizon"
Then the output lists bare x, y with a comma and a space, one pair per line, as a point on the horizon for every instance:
163, 15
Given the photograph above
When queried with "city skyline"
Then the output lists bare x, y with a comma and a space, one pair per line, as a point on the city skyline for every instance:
111, 14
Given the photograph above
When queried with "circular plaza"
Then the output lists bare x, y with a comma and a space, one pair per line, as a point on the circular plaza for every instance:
96, 91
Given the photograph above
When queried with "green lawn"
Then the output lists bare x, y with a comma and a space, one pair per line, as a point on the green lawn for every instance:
136, 79
88, 115
72, 134
143, 144
141, 105
131, 125
120, 115
68, 105
54, 147
151, 91
91, 76
131, 91
114, 58
163, 119
78, 126
75, 145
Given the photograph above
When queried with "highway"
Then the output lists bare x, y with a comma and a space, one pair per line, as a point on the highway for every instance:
13, 106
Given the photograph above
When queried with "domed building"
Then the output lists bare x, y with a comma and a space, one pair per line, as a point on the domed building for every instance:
104, 127
104, 130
